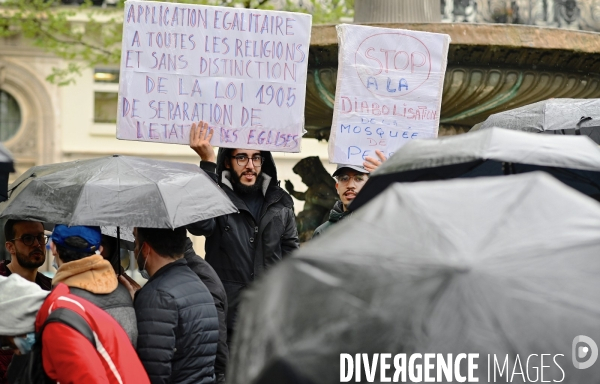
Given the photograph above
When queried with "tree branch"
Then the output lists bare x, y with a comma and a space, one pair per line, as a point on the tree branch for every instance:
72, 42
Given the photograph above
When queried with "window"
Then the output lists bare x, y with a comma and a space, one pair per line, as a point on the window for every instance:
106, 97
105, 107
10, 116
106, 76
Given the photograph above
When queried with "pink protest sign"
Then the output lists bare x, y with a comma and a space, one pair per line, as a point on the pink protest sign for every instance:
389, 90
241, 70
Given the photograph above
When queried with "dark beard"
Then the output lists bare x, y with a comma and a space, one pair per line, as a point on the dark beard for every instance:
27, 263
246, 189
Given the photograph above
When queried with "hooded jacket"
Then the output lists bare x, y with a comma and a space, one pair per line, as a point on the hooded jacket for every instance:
337, 213
69, 357
93, 278
238, 247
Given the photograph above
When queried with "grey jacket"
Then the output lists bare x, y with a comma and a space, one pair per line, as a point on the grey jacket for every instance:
118, 304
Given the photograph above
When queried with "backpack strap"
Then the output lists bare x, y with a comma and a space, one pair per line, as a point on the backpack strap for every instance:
71, 319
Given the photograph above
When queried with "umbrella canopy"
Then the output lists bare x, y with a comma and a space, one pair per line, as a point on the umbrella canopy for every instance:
124, 235
495, 266
116, 191
575, 160
554, 116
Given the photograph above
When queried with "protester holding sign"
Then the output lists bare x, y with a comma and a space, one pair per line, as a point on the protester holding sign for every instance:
240, 247
350, 180
389, 90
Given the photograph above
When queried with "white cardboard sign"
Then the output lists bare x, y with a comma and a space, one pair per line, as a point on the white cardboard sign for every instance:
389, 90
241, 70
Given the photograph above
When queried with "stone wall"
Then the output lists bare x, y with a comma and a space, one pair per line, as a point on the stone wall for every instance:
569, 14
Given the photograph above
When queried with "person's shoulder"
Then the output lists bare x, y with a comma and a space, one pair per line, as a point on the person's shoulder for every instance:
43, 281
321, 228
278, 192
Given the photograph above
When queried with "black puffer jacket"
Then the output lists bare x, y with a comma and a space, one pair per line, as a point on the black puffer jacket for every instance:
239, 248
209, 277
178, 327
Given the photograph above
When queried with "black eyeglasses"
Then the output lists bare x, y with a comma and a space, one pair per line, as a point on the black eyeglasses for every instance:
242, 160
30, 239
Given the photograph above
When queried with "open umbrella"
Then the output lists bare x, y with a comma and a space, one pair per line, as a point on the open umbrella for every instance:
553, 116
503, 267
116, 191
574, 160
119, 191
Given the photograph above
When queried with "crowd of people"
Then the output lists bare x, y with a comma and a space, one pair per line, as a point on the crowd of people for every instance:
92, 323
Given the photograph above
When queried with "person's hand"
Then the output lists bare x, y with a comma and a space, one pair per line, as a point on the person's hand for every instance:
200, 136
371, 163
129, 285
289, 186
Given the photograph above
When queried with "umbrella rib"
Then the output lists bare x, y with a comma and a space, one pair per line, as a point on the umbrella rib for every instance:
156, 186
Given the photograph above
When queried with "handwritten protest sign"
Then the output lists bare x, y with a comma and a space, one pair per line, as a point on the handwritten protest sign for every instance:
389, 90
241, 70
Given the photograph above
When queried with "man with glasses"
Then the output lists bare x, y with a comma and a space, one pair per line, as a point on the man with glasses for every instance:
26, 243
240, 247
350, 180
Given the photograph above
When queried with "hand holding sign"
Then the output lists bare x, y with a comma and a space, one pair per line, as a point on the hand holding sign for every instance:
200, 136
371, 163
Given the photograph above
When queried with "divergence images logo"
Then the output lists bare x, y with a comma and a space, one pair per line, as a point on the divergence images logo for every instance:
584, 347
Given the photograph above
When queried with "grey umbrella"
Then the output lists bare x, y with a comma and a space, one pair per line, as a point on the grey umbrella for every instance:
574, 160
116, 191
554, 116
504, 267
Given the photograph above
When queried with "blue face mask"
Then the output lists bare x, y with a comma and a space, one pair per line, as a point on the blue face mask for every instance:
25, 344
54, 265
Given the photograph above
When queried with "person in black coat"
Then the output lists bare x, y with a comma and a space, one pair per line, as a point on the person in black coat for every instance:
178, 325
210, 278
241, 246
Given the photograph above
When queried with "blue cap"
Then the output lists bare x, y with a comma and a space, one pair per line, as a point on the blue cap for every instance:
91, 235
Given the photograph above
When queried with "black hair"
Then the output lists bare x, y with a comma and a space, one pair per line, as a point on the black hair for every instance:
166, 242
67, 255
9, 228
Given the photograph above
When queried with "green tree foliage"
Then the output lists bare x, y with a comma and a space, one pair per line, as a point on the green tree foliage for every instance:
90, 36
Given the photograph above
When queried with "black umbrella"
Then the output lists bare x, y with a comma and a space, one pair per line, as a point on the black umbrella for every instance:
6, 167
574, 160
553, 116
500, 267
117, 191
